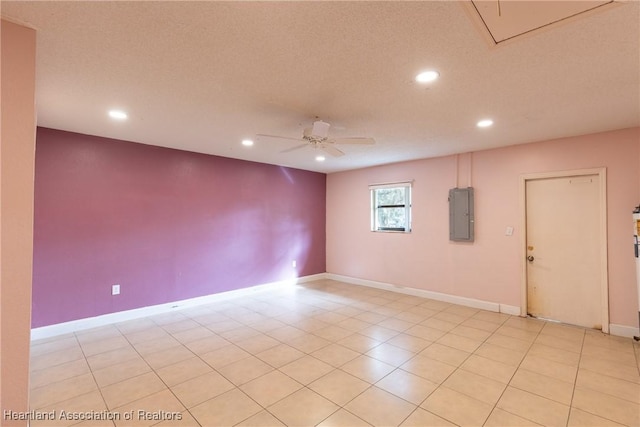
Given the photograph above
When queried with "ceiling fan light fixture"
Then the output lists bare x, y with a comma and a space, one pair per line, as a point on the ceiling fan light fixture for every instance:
427, 76
320, 129
320, 158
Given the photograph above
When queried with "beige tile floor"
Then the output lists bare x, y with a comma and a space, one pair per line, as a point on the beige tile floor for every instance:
331, 354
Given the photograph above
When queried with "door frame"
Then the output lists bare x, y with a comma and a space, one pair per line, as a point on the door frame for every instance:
604, 276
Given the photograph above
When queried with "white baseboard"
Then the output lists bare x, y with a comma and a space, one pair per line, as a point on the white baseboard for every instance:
122, 316
453, 299
623, 331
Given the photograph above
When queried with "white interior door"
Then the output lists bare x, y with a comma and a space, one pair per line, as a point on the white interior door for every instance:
564, 249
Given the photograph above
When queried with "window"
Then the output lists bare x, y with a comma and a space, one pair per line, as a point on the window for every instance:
391, 207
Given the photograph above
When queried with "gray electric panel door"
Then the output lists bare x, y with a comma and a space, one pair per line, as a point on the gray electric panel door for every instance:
461, 214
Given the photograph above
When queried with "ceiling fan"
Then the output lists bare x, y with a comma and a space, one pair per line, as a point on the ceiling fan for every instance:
317, 137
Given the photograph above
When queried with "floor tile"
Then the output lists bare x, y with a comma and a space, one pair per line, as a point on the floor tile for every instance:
471, 333
100, 333
555, 354
303, 408
261, 419
559, 342
422, 418
608, 385
339, 386
542, 385
532, 407
192, 334
183, 371
605, 367
607, 406
335, 355
153, 346
410, 387
439, 324
120, 372
60, 343
481, 324
308, 343
61, 390
510, 343
279, 355
359, 343
83, 403
342, 418
442, 353
476, 386
380, 408
579, 418
245, 370
456, 407
409, 342
55, 358
428, 368
489, 368
424, 332
227, 409
270, 388
390, 354
207, 344
333, 333
623, 356
150, 410
162, 358
328, 353
549, 368
367, 368
57, 373
224, 356
501, 418
109, 358
306, 369
150, 334
459, 342
132, 389
201, 388
500, 354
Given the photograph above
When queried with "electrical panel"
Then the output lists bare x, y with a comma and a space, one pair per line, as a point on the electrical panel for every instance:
461, 217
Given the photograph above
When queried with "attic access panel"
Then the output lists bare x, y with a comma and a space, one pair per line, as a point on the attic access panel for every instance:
461, 214
504, 20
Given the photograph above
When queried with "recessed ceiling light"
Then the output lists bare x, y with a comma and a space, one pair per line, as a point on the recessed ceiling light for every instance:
247, 142
118, 115
320, 158
427, 76
484, 123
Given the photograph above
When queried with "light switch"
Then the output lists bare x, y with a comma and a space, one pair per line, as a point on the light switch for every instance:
509, 231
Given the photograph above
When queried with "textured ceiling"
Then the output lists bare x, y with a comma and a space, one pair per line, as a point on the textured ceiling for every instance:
202, 76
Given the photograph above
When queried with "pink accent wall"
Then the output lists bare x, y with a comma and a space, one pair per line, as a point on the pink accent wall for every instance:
164, 224
489, 269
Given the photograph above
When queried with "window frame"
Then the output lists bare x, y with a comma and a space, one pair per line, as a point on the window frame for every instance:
375, 226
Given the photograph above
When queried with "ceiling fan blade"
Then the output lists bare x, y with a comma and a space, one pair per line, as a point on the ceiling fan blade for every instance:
320, 129
297, 147
331, 150
261, 135
356, 140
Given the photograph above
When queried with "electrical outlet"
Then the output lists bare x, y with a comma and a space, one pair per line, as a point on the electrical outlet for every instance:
115, 289
294, 263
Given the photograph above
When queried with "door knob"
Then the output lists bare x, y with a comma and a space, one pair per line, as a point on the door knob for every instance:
530, 258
